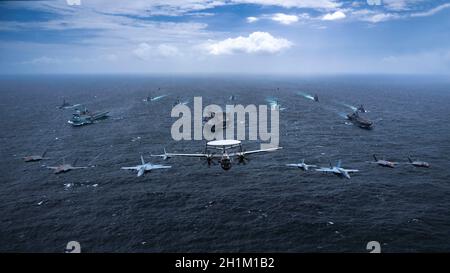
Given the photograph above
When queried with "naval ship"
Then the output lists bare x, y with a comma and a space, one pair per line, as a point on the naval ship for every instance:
359, 121
84, 117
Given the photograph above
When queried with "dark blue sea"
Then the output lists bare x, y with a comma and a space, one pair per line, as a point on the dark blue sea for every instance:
263, 206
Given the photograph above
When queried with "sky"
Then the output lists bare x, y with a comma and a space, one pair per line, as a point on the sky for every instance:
225, 36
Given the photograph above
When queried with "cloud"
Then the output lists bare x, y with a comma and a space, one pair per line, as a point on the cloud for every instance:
165, 50
256, 42
400, 5
252, 19
381, 17
73, 2
431, 11
284, 19
314, 4
44, 60
169, 7
337, 15
375, 16
147, 52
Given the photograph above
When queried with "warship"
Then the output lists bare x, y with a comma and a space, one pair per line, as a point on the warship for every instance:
359, 121
84, 117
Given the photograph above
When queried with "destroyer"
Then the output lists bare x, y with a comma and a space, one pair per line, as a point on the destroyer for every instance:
84, 117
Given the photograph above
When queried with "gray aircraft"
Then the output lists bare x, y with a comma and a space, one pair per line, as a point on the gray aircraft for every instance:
383, 162
338, 170
32, 158
65, 167
145, 167
361, 109
66, 105
302, 165
419, 164
223, 157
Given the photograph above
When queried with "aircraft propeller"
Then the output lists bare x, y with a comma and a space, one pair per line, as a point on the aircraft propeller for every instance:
210, 160
242, 159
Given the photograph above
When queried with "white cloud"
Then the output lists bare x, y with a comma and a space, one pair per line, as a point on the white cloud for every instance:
431, 11
165, 50
284, 19
143, 51
337, 15
171, 7
381, 17
147, 52
73, 2
315, 4
43, 60
375, 16
252, 19
400, 5
256, 42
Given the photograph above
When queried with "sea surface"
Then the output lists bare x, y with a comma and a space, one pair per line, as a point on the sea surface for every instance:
262, 206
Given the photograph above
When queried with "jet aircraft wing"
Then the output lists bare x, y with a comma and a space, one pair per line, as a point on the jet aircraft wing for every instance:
160, 167
130, 168
351, 171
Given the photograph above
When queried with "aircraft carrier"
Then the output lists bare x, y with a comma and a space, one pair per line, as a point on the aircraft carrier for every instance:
359, 121
84, 117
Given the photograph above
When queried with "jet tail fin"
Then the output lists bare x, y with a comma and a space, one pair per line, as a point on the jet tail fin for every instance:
410, 160
375, 157
43, 154
142, 160
339, 163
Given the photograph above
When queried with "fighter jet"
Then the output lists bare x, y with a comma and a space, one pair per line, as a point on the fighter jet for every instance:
145, 167
338, 170
361, 109
383, 163
66, 105
164, 156
65, 167
419, 164
302, 165
32, 158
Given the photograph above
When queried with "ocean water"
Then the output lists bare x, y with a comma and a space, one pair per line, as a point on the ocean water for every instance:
260, 207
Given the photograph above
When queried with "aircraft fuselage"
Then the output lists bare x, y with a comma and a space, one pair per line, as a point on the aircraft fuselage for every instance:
225, 162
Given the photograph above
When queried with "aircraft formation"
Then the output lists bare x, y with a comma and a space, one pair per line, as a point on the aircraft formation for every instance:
219, 152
